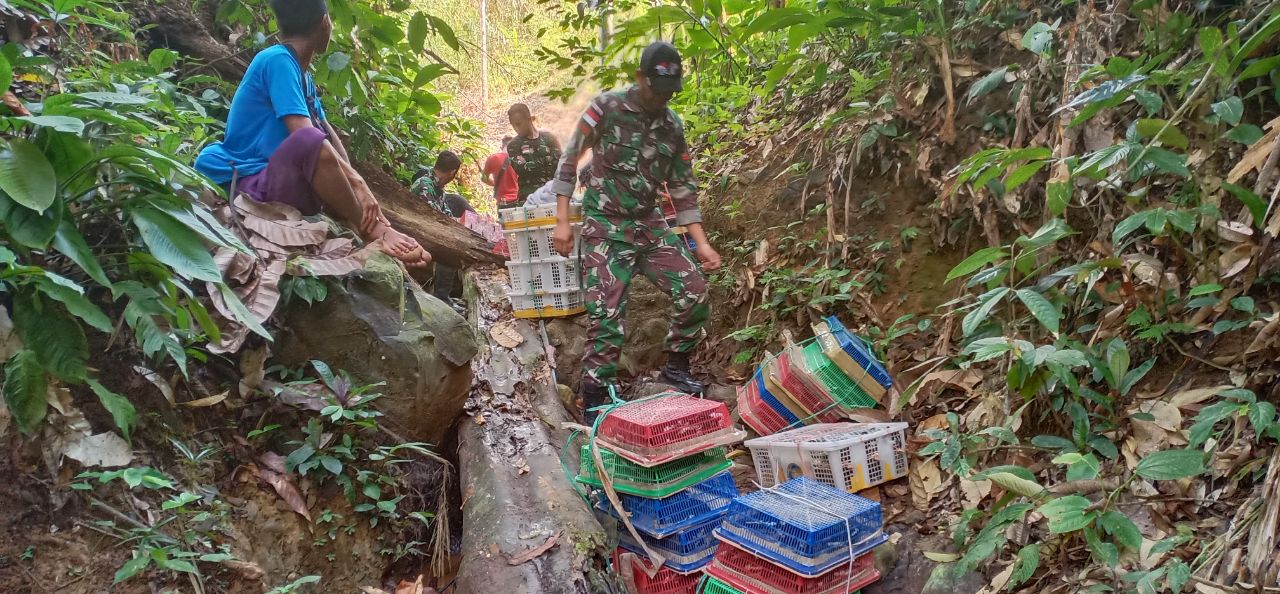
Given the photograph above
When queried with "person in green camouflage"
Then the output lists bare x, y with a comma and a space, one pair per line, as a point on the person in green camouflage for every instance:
430, 184
533, 153
639, 148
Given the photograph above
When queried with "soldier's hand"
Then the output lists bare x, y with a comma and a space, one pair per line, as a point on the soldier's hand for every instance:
709, 257
562, 238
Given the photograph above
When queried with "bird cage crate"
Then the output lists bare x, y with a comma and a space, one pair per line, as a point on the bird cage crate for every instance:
848, 456
803, 388
854, 357
803, 525
660, 518
755, 574
669, 426
655, 481
686, 551
665, 581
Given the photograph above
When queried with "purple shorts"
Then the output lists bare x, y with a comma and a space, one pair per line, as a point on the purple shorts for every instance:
289, 172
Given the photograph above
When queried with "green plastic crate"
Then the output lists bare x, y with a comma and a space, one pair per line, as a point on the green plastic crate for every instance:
714, 586
658, 481
846, 392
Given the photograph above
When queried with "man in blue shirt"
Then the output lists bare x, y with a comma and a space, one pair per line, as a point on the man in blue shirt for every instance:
280, 147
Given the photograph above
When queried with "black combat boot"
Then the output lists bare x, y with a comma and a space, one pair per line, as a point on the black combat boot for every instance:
591, 396
676, 372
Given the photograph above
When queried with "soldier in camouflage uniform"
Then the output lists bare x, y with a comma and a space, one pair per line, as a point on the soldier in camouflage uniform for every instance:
430, 184
533, 154
639, 147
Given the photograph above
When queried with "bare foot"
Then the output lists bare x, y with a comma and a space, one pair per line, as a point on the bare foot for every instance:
405, 249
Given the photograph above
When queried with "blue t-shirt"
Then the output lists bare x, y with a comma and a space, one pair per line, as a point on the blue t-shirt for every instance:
271, 89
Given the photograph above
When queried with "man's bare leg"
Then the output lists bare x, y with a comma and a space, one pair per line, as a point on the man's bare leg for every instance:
332, 182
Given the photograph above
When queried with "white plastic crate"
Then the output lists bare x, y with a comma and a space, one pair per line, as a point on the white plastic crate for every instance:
849, 456
549, 274
527, 304
542, 214
535, 243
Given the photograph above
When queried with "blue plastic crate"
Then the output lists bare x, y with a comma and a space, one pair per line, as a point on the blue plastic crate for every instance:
859, 352
804, 525
686, 551
772, 402
660, 518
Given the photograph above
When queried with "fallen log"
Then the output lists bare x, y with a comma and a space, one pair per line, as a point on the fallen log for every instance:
525, 529
448, 241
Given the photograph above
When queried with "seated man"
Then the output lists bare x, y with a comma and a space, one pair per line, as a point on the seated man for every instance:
429, 184
279, 146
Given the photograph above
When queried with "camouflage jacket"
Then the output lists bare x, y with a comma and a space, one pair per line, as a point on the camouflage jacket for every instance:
636, 154
534, 160
429, 189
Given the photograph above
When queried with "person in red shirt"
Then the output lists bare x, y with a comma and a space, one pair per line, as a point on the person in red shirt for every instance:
496, 167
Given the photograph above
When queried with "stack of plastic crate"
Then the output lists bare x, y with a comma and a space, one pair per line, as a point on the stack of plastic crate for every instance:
543, 283
847, 456
666, 458
799, 537
819, 383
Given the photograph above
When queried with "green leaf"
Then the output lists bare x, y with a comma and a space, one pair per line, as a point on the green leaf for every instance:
331, 464
25, 390
1016, 484
338, 61
54, 336
1041, 308
1170, 136
1024, 566
1022, 174
1230, 110
1038, 38
76, 303
987, 83
1067, 514
174, 244
1051, 442
372, 491
1058, 197
28, 227
1263, 67
1135, 375
1257, 208
72, 245
26, 175
1122, 529
1179, 574
1206, 289
66, 124
445, 32
1117, 360
115, 98
1244, 134
122, 411
298, 456
975, 261
1067, 357
131, 568
1168, 161
429, 73
419, 26
1170, 465
1150, 101
6, 74
987, 301
1262, 415
1210, 40
242, 313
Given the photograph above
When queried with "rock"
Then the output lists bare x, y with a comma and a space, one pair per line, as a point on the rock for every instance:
381, 326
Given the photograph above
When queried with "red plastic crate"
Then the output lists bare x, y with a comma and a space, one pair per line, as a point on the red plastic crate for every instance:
670, 426
804, 390
666, 581
758, 415
755, 575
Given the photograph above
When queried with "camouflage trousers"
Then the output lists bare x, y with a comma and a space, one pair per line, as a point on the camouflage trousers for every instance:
610, 266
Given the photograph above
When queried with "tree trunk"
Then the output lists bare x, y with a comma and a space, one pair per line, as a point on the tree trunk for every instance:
515, 494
